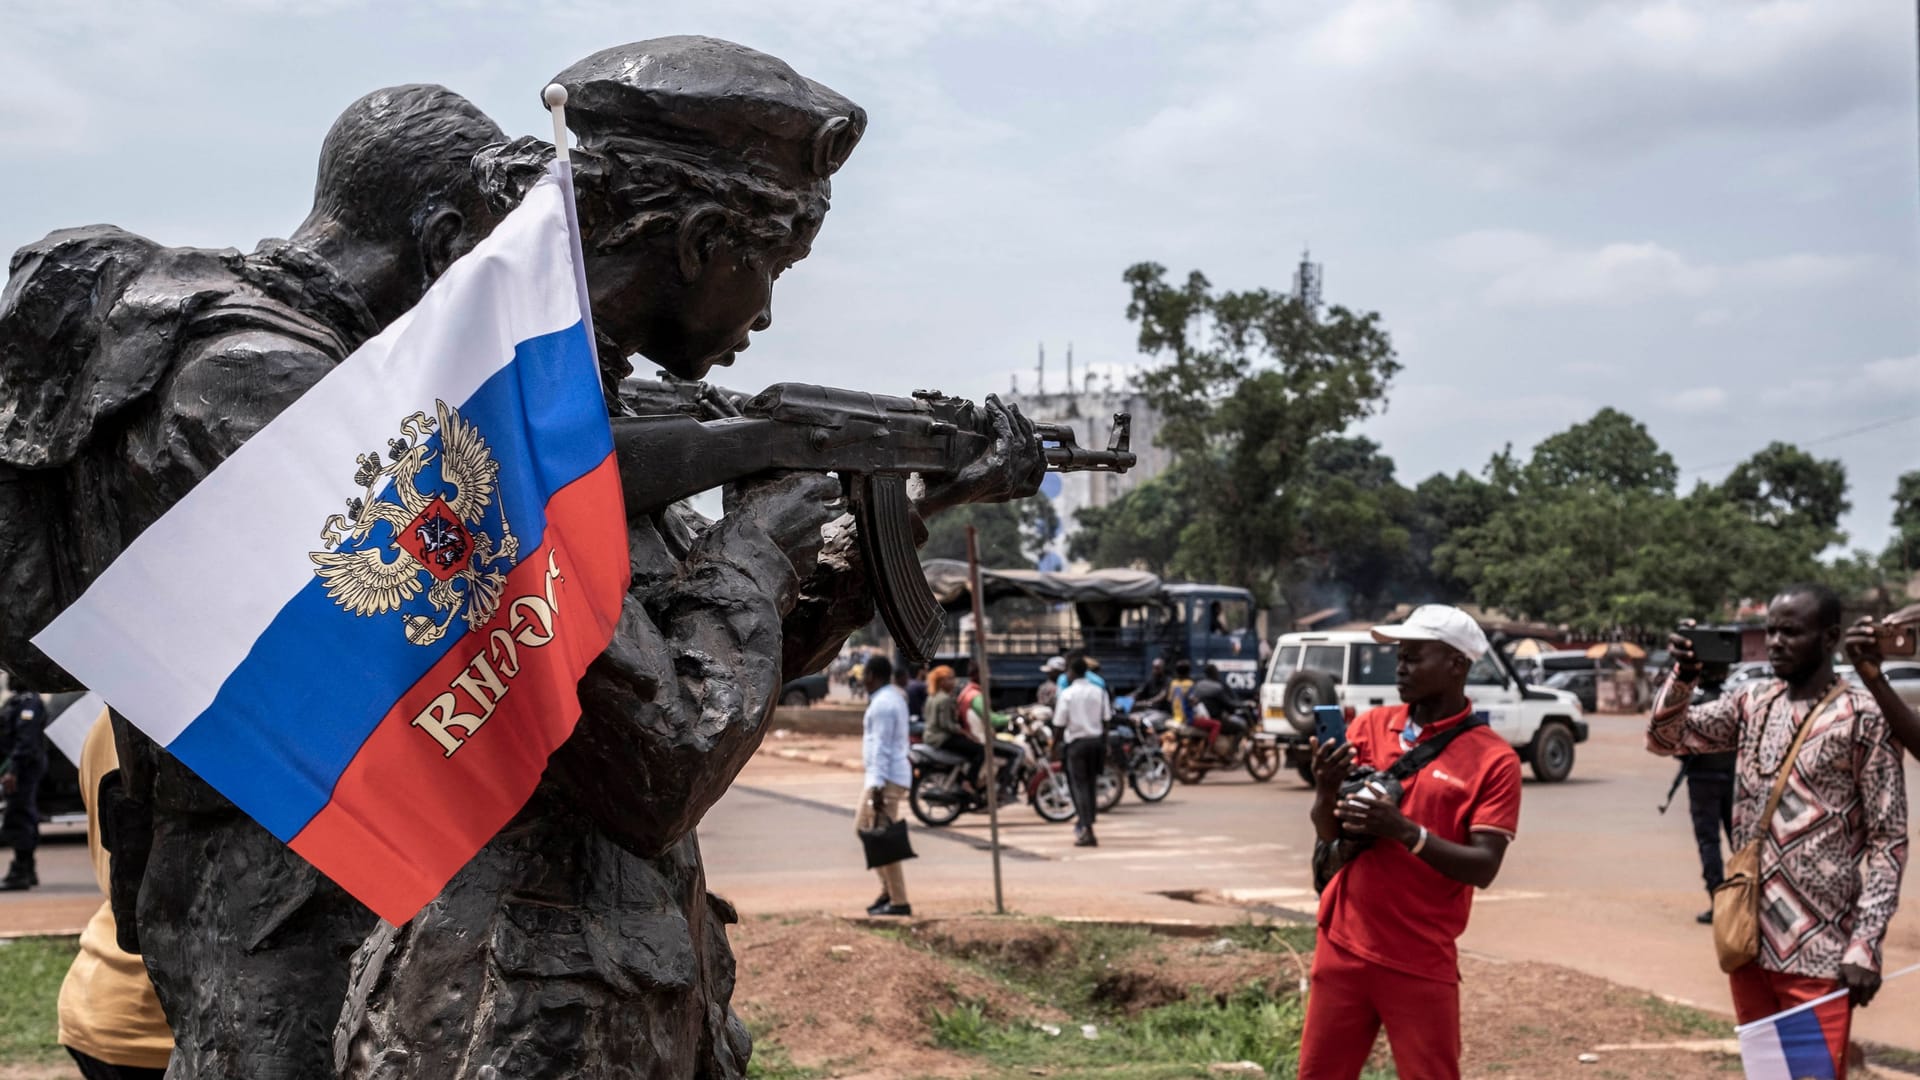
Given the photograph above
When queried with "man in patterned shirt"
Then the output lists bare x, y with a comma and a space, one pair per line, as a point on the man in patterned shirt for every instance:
1831, 862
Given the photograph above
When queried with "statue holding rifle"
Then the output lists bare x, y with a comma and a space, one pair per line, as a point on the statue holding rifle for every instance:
582, 941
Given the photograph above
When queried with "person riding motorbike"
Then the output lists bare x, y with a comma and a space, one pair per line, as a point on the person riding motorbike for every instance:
1186, 708
946, 730
1211, 696
1152, 694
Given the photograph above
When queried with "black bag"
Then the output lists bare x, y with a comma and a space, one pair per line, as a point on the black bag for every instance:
1325, 863
887, 844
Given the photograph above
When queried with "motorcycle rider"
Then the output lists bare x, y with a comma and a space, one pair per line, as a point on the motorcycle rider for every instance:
1220, 704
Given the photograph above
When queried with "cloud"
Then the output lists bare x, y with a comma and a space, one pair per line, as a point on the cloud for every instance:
1528, 270
1503, 92
1698, 401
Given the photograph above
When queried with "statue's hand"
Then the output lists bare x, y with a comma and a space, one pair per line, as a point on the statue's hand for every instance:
791, 508
1011, 468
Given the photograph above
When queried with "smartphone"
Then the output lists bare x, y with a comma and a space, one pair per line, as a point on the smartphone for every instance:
1713, 644
1329, 724
1897, 639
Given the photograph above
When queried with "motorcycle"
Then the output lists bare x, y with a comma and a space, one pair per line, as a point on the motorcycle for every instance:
939, 796
1135, 759
1258, 751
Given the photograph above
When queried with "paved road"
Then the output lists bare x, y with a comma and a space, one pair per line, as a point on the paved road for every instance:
1598, 881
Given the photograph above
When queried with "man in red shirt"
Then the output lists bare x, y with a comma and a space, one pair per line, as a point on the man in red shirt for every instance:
1402, 876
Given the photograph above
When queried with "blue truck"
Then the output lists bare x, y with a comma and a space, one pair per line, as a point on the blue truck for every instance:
1125, 619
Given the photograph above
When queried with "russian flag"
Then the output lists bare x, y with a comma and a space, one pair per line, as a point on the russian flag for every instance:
366, 626
1799, 1043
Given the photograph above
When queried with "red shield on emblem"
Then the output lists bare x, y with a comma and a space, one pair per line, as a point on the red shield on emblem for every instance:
437, 538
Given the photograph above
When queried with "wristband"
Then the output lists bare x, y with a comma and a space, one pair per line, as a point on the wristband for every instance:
1420, 843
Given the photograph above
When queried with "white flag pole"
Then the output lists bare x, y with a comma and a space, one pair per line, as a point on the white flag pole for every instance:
555, 99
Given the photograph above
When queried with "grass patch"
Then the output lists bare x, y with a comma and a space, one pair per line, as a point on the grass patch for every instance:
1685, 1019
770, 1061
30, 974
1273, 937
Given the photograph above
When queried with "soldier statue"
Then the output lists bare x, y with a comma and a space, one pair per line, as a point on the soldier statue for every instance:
582, 941
128, 371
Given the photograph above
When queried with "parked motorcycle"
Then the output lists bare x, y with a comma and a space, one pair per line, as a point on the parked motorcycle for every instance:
1135, 759
1258, 751
938, 796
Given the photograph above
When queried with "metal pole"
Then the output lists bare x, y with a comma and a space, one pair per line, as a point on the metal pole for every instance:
982, 676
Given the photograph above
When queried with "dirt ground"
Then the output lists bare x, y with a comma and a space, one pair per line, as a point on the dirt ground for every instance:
853, 1003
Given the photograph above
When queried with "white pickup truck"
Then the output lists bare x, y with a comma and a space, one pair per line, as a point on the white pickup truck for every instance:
1350, 668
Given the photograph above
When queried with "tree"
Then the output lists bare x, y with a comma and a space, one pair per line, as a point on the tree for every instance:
1011, 534
1785, 487
1903, 551
1590, 533
1247, 382
1355, 523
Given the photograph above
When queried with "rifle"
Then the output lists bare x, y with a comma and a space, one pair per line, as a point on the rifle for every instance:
693, 437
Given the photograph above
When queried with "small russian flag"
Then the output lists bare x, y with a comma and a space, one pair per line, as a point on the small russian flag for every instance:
1796, 1044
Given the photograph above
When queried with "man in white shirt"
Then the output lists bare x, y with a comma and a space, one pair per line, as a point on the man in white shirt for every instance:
883, 749
1081, 713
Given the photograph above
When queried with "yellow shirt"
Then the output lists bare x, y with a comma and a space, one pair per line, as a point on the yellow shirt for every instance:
108, 1010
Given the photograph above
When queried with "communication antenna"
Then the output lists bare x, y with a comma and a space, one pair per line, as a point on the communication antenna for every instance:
1040, 375
1306, 283
1069, 367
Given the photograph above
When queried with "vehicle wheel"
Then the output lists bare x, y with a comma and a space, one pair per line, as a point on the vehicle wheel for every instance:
1553, 752
1305, 690
1186, 764
1305, 770
1052, 799
1151, 777
1263, 761
795, 698
1109, 788
934, 814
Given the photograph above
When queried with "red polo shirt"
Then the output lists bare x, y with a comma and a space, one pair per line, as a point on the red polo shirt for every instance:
1389, 907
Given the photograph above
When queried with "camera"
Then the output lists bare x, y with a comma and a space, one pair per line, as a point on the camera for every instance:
1367, 782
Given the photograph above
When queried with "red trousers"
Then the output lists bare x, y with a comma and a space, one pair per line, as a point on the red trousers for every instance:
1350, 1000
1759, 993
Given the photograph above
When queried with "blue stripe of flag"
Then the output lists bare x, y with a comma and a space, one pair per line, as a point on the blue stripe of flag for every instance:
1804, 1042
293, 714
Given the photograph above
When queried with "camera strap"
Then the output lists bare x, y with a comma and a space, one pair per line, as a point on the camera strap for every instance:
1423, 754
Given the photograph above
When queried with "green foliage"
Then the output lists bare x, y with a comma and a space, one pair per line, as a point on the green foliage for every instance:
1590, 533
1248, 381
1011, 535
1785, 487
1903, 551
770, 1061
31, 970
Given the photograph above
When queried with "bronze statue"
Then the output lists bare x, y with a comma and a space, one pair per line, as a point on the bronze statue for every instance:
128, 371
582, 941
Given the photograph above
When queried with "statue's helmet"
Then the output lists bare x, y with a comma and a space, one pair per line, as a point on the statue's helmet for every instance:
733, 107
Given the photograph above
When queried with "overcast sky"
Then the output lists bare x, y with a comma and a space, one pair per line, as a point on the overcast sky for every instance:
1702, 212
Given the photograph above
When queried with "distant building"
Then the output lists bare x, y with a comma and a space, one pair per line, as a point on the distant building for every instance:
1089, 412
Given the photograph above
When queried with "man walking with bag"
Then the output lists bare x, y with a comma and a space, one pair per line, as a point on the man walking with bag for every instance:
1397, 862
1819, 818
883, 749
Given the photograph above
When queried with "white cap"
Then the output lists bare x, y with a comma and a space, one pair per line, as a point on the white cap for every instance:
1438, 622
1054, 666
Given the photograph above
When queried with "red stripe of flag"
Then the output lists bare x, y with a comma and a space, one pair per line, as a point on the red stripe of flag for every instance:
405, 815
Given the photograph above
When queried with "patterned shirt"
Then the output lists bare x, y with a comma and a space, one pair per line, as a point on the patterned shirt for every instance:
1831, 862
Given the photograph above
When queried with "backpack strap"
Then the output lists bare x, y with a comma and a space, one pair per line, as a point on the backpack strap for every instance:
1422, 755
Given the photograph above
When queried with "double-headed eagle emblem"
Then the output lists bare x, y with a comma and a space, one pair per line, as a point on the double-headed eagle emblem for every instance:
419, 524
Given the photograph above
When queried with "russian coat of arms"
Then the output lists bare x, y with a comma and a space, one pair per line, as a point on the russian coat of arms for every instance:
422, 520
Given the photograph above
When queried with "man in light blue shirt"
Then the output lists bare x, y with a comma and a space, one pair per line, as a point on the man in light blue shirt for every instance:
883, 750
